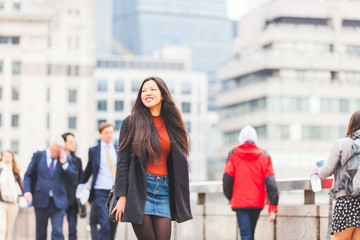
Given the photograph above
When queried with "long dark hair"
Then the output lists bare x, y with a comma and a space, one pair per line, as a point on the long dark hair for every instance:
354, 124
142, 131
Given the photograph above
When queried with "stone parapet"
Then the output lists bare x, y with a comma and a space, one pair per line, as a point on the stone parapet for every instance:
210, 222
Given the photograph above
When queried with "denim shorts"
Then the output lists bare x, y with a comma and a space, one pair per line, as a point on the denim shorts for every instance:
158, 196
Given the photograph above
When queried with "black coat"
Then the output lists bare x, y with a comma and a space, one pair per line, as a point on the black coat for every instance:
131, 181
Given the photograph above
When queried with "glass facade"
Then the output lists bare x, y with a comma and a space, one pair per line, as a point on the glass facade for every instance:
143, 26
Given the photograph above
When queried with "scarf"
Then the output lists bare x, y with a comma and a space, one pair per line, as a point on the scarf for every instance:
8, 183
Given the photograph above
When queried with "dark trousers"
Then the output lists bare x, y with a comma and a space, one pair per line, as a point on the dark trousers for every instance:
56, 216
107, 228
93, 223
247, 219
71, 214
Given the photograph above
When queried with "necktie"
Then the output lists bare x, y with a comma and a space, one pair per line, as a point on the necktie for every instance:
112, 168
51, 168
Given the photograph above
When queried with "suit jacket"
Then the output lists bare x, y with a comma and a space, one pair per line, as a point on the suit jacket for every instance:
131, 181
92, 168
44, 183
70, 185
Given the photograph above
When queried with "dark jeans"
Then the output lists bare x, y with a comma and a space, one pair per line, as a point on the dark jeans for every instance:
71, 213
56, 216
107, 228
247, 218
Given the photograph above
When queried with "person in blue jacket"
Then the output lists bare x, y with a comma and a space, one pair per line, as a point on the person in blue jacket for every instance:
47, 172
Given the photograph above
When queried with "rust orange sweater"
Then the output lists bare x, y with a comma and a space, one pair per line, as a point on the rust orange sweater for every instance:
161, 167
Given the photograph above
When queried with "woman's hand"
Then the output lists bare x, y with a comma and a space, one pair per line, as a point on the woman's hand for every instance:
272, 216
119, 208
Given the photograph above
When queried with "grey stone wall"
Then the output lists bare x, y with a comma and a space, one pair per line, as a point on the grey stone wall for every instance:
210, 222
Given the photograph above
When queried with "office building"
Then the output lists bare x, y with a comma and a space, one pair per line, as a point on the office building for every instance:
295, 78
47, 65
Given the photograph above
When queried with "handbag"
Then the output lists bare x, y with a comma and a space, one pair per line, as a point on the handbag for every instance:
111, 204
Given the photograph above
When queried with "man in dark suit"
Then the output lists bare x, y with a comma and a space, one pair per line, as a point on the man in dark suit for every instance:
102, 166
73, 208
51, 168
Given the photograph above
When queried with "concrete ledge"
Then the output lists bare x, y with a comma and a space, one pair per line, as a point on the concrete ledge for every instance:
210, 222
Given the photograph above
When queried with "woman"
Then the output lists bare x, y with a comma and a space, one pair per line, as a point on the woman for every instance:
248, 176
152, 180
9, 176
346, 214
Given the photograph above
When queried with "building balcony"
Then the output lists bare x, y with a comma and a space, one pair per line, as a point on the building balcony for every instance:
281, 60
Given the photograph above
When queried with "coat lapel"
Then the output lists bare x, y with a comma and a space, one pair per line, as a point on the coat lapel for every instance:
98, 156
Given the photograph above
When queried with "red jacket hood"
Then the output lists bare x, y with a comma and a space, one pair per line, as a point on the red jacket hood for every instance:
248, 151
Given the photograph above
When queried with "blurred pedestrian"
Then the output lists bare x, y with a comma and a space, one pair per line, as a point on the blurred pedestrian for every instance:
9, 178
73, 206
152, 179
101, 166
47, 172
248, 176
346, 214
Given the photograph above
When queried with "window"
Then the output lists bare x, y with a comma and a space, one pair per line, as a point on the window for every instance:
72, 95
117, 125
48, 121
16, 67
185, 88
186, 107
68, 70
1, 8
119, 85
171, 86
15, 94
135, 85
76, 72
9, 40
102, 85
119, 106
48, 95
15, 147
100, 121
188, 126
17, 6
49, 69
0, 120
72, 122
15, 120
1, 66
102, 105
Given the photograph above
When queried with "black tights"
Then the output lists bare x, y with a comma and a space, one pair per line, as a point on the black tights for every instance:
153, 228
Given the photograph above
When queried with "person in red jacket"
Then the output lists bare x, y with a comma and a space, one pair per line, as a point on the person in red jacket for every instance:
248, 176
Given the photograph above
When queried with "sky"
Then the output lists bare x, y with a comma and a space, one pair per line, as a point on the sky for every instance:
237, 8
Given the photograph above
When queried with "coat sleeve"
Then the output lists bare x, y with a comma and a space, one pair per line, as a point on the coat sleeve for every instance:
228, 177
71, 173
333, 161
123, 161
271, 187
88, 170
29, 173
